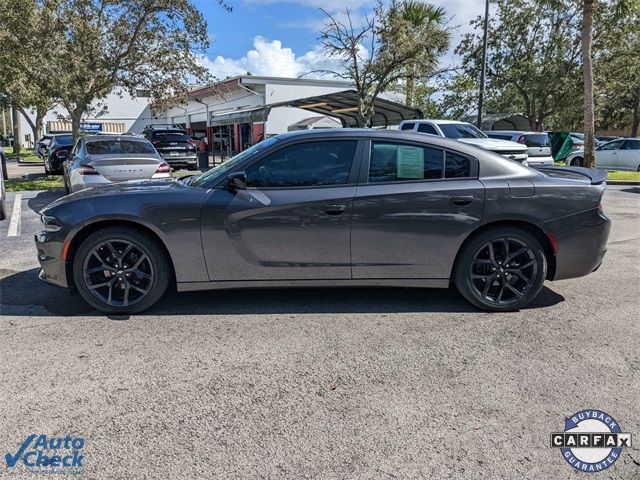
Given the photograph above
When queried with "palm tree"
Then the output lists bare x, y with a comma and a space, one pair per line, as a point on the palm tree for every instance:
419, 15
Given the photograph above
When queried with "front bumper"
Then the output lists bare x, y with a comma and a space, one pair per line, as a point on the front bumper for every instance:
582, 243
53, 268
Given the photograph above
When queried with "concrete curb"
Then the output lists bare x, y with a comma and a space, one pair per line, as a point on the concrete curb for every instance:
616, 182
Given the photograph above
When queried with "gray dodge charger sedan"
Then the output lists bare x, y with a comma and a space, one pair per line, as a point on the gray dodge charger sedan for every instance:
333, 207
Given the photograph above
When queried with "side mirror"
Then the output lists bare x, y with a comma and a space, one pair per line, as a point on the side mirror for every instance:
238, 181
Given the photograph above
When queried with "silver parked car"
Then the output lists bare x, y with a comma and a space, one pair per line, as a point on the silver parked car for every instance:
538, 144
621, 154
103, 159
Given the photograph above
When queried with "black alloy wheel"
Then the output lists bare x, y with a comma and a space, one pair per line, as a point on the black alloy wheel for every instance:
501, 270
121, 270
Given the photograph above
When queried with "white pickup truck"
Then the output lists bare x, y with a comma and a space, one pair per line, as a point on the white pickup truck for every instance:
467, 133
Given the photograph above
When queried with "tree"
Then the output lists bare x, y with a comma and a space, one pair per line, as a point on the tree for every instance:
617, 70
128, 45
533, 57
419, 14
394, 47
29, 39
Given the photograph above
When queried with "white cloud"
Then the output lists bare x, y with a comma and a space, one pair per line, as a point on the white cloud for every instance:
270, 58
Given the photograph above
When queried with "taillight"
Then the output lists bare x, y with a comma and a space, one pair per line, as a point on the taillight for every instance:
60, 152
521, 139
163, 168
191, 142
156, 142
87, 170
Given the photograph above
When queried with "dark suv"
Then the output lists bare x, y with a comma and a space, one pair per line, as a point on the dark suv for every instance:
174, 143
57, 152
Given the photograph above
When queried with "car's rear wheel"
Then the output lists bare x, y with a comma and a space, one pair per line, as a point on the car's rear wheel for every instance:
121, 270
577, 162
501, 269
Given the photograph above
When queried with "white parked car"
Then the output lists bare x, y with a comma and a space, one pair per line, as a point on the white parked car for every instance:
621, 154
467, 133
102, 159
538, 144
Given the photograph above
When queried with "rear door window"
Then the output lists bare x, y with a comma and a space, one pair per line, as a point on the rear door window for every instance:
394, 162
632, 145
427, 128
457, 166
536, 140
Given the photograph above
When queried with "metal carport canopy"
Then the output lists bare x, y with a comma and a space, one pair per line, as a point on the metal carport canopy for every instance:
344, 106
248, 115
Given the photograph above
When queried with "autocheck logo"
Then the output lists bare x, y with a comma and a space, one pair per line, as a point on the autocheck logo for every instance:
592, 440
48, 454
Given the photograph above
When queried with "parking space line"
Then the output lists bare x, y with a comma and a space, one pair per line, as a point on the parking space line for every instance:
16, 216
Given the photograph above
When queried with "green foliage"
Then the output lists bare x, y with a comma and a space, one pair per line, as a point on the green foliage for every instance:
393, 44
78, 51
617, 68
533, 59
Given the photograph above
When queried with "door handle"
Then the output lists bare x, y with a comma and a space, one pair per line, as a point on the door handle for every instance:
461, 200
334, 209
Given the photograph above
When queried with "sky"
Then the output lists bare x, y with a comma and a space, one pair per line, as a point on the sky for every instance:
281, 38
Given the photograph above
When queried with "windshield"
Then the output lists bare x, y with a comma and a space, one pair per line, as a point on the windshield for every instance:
119, 146
460, 130
232, 162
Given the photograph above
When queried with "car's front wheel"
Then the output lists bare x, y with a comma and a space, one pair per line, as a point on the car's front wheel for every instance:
501, 269
577, 162
121, 270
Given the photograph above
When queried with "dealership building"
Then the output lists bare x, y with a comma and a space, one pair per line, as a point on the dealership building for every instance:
237, 112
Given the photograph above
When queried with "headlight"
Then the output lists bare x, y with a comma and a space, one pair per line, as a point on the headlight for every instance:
51, 224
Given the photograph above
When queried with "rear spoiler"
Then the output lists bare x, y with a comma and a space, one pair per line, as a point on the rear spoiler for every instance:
595, 176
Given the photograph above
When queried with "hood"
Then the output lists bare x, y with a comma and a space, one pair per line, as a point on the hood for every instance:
133, 187
494, 144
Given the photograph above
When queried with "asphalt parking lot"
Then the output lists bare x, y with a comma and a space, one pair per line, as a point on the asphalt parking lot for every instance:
324, 383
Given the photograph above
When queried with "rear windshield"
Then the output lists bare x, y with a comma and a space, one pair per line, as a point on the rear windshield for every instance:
111, 146
171, 136
537, 140
460, 130
66, 140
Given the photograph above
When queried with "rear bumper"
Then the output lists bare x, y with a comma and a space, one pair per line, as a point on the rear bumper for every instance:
582, 243
181, 161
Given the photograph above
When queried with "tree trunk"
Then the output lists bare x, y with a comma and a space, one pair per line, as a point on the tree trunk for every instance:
587, 74
366, 111
34, 128
17, 142
410, 89
635, 123
76, 117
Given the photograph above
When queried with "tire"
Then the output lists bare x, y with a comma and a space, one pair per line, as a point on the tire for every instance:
476, 265
97, 251
577, 162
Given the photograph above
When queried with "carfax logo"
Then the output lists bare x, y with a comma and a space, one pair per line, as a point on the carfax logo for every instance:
592, 440
48, 455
